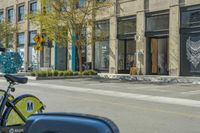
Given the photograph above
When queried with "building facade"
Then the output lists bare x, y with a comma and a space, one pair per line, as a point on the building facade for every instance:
15, 11
158, 37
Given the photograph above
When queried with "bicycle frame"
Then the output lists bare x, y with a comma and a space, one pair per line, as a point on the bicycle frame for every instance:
7, 105
5, 100
15, 111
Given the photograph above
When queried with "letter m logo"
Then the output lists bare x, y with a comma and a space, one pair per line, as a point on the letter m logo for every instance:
30, 106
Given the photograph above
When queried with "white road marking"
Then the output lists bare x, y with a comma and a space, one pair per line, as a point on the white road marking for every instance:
145, 88
139, 87
150, 98
196, 92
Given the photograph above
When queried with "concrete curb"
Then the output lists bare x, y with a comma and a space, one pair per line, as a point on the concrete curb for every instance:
62, 77
127, 77
151, 78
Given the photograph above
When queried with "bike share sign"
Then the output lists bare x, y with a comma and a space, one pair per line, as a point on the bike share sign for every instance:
30, 106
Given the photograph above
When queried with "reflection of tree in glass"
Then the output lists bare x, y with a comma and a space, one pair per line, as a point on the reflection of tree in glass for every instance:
194, 19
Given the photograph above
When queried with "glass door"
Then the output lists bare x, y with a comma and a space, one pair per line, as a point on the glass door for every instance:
159, 56
126, 55
121, 55
130, 54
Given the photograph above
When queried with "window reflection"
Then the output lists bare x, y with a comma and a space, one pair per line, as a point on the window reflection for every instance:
102, 45
127, 26
101, 55
190, 19
157, 22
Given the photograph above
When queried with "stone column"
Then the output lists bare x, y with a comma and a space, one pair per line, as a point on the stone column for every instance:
113, 67
26, 39
174, 39
53, 56
4, 17
89, 44
140, 38
113, 47
69, 56
15, 24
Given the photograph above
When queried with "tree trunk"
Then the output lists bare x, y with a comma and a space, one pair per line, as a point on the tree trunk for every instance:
79, 57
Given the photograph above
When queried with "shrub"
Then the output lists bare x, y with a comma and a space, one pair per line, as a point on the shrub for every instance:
43, 73
75, 73
49, 73
93, 72
86, 72
61, 73
80, 73
33, 73
55, 73
89, 72
68, 73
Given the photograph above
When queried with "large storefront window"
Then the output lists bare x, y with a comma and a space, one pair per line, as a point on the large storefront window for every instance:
1, 16
190, 19
157, 22
101, 48
126, 44
126, 25
190, 41
32, 52
102, 55
20, 44
126, 55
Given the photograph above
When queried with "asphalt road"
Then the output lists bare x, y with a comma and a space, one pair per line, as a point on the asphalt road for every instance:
134, 107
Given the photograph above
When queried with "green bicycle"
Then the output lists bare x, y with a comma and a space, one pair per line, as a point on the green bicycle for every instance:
15, 111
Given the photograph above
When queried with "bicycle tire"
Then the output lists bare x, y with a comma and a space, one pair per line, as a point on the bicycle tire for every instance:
11, 118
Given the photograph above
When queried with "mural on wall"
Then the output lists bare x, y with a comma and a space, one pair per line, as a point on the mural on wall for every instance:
10, 62
193, 52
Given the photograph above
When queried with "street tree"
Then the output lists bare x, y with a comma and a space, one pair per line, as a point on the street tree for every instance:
7, 32
62, 20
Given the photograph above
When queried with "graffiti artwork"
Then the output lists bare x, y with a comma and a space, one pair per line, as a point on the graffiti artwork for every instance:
10, 62
193, 52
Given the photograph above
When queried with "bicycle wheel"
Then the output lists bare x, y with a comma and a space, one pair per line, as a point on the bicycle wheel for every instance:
26, 105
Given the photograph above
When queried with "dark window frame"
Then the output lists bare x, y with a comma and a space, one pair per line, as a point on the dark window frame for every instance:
29, 38
1, 14
10, 17
188, 9
126, 35
32, 8
100, 1
106, 21
107, 39
22, 44
21, 12
154, 14
187, 31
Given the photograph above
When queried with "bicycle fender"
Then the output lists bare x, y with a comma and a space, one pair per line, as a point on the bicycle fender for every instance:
27, 105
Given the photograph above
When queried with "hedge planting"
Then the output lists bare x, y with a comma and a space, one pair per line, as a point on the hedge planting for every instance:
56, 73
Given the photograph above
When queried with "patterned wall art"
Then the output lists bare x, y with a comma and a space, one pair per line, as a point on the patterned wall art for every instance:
10, 62
193, 52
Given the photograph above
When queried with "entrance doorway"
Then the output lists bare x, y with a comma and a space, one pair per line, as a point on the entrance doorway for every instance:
158, 56
126, 55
